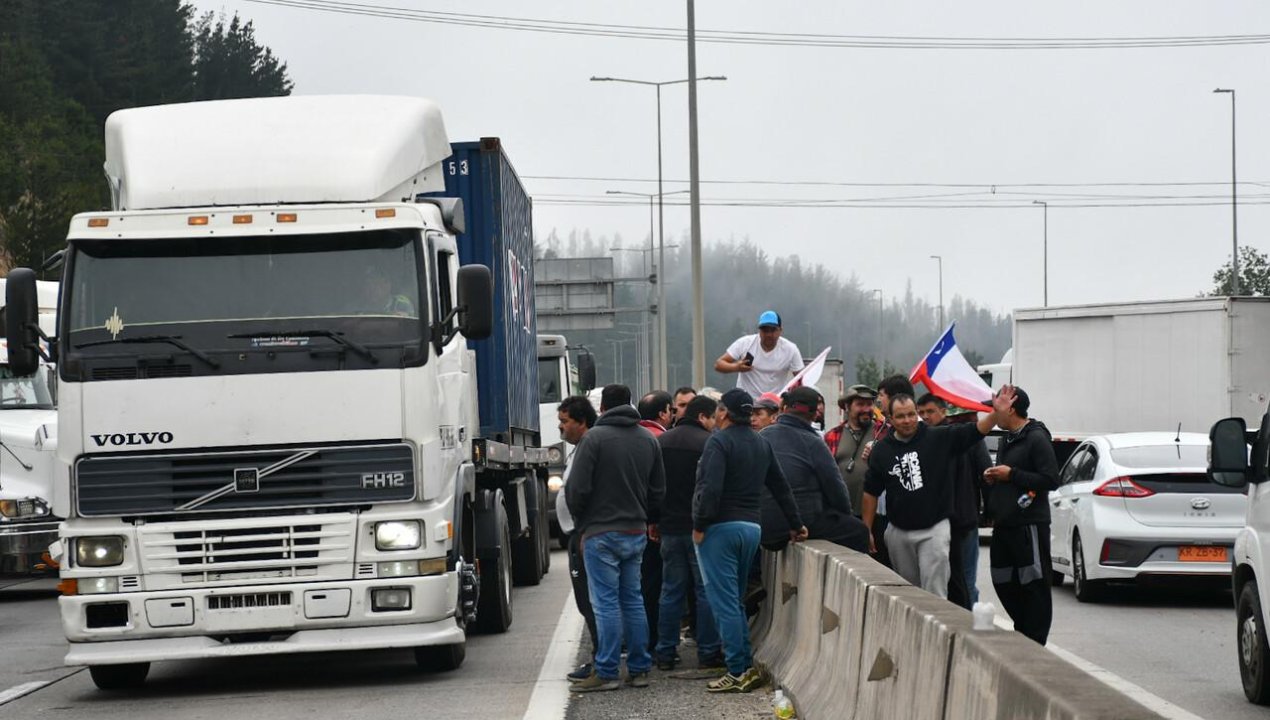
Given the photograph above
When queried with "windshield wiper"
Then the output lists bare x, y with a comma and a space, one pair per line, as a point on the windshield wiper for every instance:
329, 334
169, 339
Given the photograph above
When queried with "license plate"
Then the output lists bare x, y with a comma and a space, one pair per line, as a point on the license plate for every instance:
1201, 553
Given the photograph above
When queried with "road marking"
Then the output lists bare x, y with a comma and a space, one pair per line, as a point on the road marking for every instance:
550, 698
1142, 696
22, 690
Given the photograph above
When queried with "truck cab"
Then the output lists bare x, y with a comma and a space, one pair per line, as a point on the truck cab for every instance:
558, 378
28, 443
285, 420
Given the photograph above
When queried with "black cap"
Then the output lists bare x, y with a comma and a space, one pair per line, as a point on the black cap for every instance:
802, 395
738, 402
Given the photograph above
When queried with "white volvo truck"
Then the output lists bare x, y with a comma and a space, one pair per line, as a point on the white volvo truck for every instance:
272, 438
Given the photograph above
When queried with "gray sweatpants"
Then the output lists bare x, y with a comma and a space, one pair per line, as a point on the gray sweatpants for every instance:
921, 556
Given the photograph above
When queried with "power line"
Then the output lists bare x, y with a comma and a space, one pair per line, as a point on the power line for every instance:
848, 204
987, 187
769, 39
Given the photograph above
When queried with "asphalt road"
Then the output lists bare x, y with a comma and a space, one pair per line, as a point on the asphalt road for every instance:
496, 681
1176, 641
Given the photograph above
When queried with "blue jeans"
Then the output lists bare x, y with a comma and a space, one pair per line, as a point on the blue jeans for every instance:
679, 569
726, 555
612, 569
970, 563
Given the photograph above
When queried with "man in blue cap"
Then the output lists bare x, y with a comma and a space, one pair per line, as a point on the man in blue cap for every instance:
763, 362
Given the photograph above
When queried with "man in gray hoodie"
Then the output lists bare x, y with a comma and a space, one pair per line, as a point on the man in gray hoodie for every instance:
614, 493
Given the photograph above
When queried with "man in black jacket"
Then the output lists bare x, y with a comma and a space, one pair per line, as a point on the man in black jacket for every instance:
821, 495
614, 493
967, 475
735, 466
1016, 495
681, 448
912, 466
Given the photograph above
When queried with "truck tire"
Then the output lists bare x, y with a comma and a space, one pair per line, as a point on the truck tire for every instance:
440, 658
1254, 656
119, 677
528, 553
494, 609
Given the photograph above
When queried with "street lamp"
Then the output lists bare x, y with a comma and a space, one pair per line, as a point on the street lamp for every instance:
1045, 251
1234, 208
941, 290
661, 233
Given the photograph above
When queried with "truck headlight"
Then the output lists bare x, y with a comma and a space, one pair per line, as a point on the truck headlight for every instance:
99, 551
398, 535
554, 483
28, 508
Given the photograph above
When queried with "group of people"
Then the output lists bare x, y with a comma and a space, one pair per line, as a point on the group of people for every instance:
667, 502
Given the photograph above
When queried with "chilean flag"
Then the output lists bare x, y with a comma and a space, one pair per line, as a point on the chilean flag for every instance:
945, 372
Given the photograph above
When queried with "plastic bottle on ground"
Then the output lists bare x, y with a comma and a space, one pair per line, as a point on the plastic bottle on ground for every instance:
782, 708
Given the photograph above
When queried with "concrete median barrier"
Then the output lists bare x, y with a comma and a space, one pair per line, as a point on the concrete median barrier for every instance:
808, 603
1000, 675
778, 643
761, 624
831, 689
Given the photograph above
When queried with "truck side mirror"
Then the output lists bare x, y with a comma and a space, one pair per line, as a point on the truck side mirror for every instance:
22, 322
586, 372
476, 302
1228, 453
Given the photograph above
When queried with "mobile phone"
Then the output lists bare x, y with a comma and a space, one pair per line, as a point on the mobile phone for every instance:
748, 359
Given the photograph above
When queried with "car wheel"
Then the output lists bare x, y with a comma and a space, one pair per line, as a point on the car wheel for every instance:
1087, 591
1254, 656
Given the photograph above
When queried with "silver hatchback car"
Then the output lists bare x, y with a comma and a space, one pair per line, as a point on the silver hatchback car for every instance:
1133, 504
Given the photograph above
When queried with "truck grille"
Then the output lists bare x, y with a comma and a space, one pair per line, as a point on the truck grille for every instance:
114, 485
248, 600
310, 547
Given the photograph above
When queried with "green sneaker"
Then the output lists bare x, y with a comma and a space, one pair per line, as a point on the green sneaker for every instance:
638, 680
730, 683
595, 683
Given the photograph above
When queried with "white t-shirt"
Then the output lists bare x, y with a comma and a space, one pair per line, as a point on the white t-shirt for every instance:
771, 369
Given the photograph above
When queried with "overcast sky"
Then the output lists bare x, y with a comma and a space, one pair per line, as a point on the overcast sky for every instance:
1003, 118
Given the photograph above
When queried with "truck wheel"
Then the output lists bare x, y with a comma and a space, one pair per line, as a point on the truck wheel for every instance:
441, 658
119, 677
527, 552
1087, 591
494, 609
1254, 656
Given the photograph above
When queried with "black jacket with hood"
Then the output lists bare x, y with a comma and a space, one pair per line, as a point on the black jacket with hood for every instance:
617, 480
1024, 498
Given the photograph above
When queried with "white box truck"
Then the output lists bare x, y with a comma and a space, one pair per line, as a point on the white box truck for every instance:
1143, 366
272, 437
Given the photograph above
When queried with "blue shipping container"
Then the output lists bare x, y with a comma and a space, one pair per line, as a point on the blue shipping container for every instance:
499, 234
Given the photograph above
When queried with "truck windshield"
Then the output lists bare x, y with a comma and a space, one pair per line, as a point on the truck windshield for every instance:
240, 294
24, 393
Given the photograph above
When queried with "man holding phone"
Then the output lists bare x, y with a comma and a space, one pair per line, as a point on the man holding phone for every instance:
763, 362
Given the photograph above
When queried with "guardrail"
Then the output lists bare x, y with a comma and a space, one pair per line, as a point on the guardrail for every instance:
848, 638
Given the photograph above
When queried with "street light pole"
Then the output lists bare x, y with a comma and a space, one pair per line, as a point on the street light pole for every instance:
878, 291
1045, 251
941, 290
1234, 206
694, 190
662, 371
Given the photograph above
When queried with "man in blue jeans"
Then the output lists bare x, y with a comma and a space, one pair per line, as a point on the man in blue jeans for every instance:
681, 576
614, 493
735, 466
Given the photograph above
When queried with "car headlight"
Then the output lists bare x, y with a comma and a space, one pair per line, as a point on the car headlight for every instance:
28, 508
398, 535
554, 483
554, 455
99, 551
